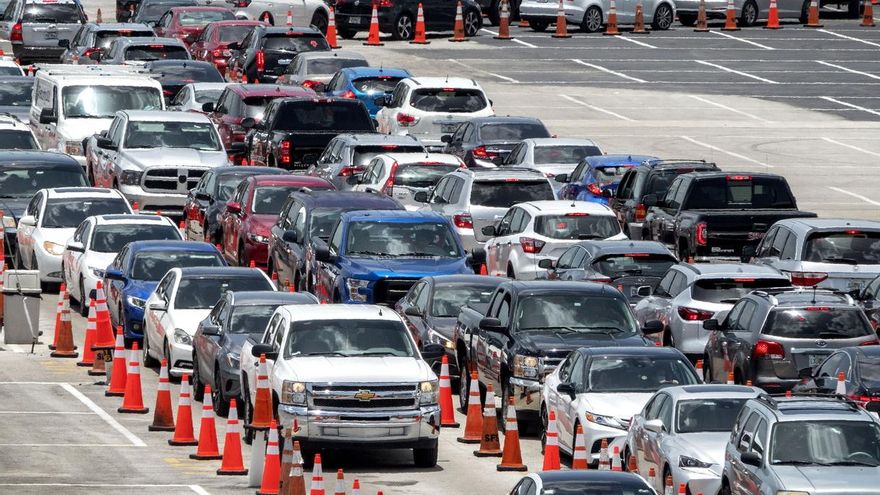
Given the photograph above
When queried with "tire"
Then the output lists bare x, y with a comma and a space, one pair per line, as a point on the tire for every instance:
221, 402
425, 458
83, 306
854, 10
683, 252
687, 19
473, 21
538, 26
464, 387
626, 456
707, 369
241, 260
198, 387
494, 13
663, 17
346, 34
511, 273
404, 27
319, 21
804, 14
592, 22
149, 361
749, 15
725, 488
248, 435
505, 393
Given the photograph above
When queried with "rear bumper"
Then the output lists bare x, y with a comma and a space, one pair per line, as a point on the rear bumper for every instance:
37, 53
170, 204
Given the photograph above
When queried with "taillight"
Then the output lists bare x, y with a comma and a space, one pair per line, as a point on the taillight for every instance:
349, 171
530, 245
481, 152
261, 61
89, 51
863, 400
309, 84
406, 120
693, 314
217, 53
285, 152
765, 349
389, 184
702, 235
15, 35
463, 221
807, 279
870, 342
167, 92
348, 94
385, 4
600, 279
594, 189
641, 212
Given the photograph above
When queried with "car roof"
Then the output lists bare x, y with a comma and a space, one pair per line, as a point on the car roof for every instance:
559, 142
672, 164
367, 138
237, 169
501, 173
712, 391
528, 287
165, 116
505, 119
324, 54
794, 297
237, 22
17, 79
266, 297
397, 216
207, 85
342, 311
290, 180
209, 271
551, 207
161, 64
598, 248
632, 351
198, 8
723, 174
37, 159
468, 280
444, 82
329, 198
725, 270
592, 475
617, 160
250, 90
190, 246
156, 40
81, 192
358, 72
119, 26
432, 158
288, 29
805, 407
806, 225
132, 219
7, 119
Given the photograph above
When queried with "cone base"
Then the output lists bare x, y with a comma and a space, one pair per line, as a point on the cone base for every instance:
83, 364
258, 492
183, 443
867, 25
114, 394
640, 32
332, 47
232, 472
208, 457
772, 27
160, 428
370, 44
606, 33
506, 468
453, 40
419, 42
502, 37
701, 30
730, 29
487, 453
467, 440
131, 410
257, 427
814, 25
64, 354
51, 347
450, 425
97, 373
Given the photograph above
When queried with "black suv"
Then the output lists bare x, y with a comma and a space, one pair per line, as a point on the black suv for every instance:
175, 74
398, 17
265, 52
308, 215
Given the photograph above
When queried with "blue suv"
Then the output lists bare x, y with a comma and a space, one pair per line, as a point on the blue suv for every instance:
376, 256
134, 273
368, 84
596, 177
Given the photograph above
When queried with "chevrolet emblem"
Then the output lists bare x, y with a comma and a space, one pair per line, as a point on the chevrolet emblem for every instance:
364, 395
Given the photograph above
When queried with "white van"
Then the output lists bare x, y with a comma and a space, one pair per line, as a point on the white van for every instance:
71, 103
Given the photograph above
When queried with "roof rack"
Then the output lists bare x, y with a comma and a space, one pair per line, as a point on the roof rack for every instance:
771, 402
814, 291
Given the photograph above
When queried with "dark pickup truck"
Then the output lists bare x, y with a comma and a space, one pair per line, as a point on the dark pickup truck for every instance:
295, 130
529, 328
714, 215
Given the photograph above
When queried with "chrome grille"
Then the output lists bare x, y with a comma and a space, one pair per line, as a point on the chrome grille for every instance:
173, 180
366, 396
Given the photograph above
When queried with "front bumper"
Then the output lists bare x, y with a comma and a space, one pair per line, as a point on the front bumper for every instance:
181, 358
170, 204
698, 480
361, 22
229, 381
132, 322
49, 265
526, 397
595, 433
539, 10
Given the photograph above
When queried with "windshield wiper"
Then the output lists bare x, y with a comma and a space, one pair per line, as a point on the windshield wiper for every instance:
605, 330
326, 353
853, 463
375, 353
846, 261
793, 462
369, 253
430, 255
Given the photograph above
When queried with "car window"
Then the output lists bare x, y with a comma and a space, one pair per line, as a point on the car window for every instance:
779, 242
565, 261
669, 199
268, 335
763, 249
665, 284
679, 283
566, 367
665, 414
760, 441
526, 487
504, 311
748, 432
578, 374
742, 320
831, 365
336, 239
421, 301
624, 190
579, 257
279, 333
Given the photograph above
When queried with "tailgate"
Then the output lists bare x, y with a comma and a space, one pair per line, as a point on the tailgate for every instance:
731, 230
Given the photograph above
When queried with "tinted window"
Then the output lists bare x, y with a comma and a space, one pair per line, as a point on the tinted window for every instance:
576, 226
67, 213
332, 65
251, 319
24, 182
103, 102
203, 293
154, 10
207, 95
658, 182
730, 290
846, 247
869, 370
363, 154
817, 323
17, 140
229, 34
192, 135
417, 175
323, 117
203, 17
348, 337
449, 299
16, 94
295, 43
563, 154
270, 199
426, 239
512, 132
103, 38
188, 73
644, 264
227, 183
51, 13
148, 53
152, 265
637, 373
739, 192
382, 84
112, 238
575, 313
826, 443
448, 100
499, 194
707, 415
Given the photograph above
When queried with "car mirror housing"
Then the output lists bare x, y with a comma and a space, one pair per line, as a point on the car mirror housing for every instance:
567, 389
655, 425
259, 349
158, 307
212, 330
113, 274
492, 325
750, 458
233, 207
76, 247
546, 264
433, 352
652, 327
413, 311
711, 324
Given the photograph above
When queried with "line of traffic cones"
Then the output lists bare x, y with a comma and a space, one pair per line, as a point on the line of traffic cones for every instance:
473, 426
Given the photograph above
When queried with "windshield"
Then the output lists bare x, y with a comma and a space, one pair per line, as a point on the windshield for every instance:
203, 293
575, 313
418, 175
227, 183
112, 238
643, 374
69, 213
294, 43
700, 415
148, 53
512, 131
308, 116
405, 239
348, 337
332, 65
730, 290
851, 247
151, 12
208, 95
251, 319
361, 155
739, 191
201, 18
563, 154
25, 182
51, 13
504, 194
16, 94
9, 71
229, 34
826, 443
17, 140
189, 73
269, 199
193, 135
818, 322
642, 264
152, 265
574, 226
102, 102
381, 84
449, 299
869, 371
594, 487
103, 38
448, 100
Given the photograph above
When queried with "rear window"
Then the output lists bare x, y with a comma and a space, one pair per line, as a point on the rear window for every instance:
229, 34
869, 370
419, 175
51, 13
153, 11
268, 200
103, 38
208, 95
148, 53
817, 323
512, 132
739, 191
255, 106
448, 100
730, 290
202, 18
852, 247
203, 293
607, 175
294, 43
17, 140
323, 117
16, 94
563, 154
577, 226
658, 182
498, 194
363, 154
381, 84
10, 71
333, 65
189, 73
640, 264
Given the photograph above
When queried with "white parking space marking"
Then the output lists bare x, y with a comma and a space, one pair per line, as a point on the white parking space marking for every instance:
846, 69
765, 47
637, 42
74, 445
499, 76
199, 490
729, 109
734, 71
194, 488
833, 100
69, 413
515, 40
850, 146
726, 152
859, 196
593, 107
832, 33
609, 71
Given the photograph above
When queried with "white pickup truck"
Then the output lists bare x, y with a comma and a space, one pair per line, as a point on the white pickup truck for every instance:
350, 375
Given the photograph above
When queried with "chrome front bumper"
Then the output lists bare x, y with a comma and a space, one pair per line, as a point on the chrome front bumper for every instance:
414, 428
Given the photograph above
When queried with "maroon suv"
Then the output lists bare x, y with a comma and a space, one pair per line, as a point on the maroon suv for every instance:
187, 23
213, 44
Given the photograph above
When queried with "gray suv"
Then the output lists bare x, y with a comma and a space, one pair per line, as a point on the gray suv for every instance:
346, 156
38, 28
770, 336
802, 446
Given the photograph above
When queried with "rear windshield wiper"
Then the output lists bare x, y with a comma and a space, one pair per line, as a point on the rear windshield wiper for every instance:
846, 261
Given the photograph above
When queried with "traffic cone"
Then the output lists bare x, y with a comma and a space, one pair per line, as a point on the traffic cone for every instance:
579, 458
232, 464
252, 264
295, 484
667, 488
257, 460
504, 22
208, 449
117, 378
289, 18
58, 307
419, 38
88, 357
64, 335
773, 16
458, 30
163, 416
615, 460
483, 270
489, 446
561, 23
447, 412
699, 367
511, 458
551, 445
604, 464
473, 426
317, 485
841, 384
99, 18
331, 29
244, 78
730, 378
103, 328
702, 24
788, 394
633, 464
373, 38
729, 23
286, 457
813, 15
263, 403
639, 27
136, 208
868, 15
133, 400
748, 383
271, 483
652, 477
356, 487
183, 430
99, 367
611, 27
340, 483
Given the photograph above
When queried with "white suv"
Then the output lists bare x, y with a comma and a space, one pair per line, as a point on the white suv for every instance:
15, 134
403, 175
429, 108
530, 232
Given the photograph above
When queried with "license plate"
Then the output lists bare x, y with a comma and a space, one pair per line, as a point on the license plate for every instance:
855, 285
355, 20
816, 359
284, 61
448, 128
51, 35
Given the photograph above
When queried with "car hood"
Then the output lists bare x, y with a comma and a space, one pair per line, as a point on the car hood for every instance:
705, 446
141, 288
232, 342
830, 479
376, 268
23, 113
83, 128
261, 224
324, 369
99, 260
181, 157
188, 319
58, 236
623, 405
559, 341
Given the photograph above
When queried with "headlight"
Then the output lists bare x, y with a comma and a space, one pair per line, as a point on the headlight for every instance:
353, 285
97, 272
233, 360
131, 177
293, 393
53, 248
73, 147
258, 238
689, 462
429, 392
525, 367
437, 338
136, 301
8, 223
181, 337
609, 421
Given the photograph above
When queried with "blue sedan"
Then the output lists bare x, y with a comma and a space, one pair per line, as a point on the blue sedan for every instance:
596, 177
367, 84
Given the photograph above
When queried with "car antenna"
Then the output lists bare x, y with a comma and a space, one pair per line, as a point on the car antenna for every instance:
814, 294
380, 312
447, 78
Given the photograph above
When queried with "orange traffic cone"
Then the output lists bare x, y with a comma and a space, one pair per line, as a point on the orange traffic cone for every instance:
295, 484
730, 20
163, 416
61, 293
208, 449
244, 78
133, 400
633, 465
331, 29
64, 335
99, 18
458, 30
868, 15
730, 378
504, 22
447, 413
511, 458
615, 460
473, 426
483, 269
699, 366
682, 488
289, 18
840, 389
611, 27
604, 462
340, 483
702, 24
88, 357
773, 16
356, 487
263, 403
271, 483
117, 378
317, 485
183, 430
103, 328
813, 15
373, 38
562, 24
489, 443
420, 38
286, 457
639, 27
579, 459
233, 464
99, 367
551, 445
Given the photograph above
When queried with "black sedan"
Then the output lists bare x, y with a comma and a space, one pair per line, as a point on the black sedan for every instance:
861, 375
486, 141
582, 482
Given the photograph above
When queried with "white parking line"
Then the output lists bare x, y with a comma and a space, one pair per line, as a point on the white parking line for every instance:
593, 107
852, 147
852, 71
499, 76
137, 442
734, 71
859, 196
848, 37
729, 109
720, 150
70, 413
609, 71
631, 40
719, 33
515, 40
828, 98
74, 445
194, 488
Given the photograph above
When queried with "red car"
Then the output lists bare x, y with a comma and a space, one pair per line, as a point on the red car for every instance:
253, 209
213, 44
238, 101
187, 23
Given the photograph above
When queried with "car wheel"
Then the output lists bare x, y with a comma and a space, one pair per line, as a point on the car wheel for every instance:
346, 34
319, 21
749, 14
542, 427
248, 412
425, 458
539, 26
404, 28
83, 302
464, 387
805, 9
505, 394
494, 13
167, 354
149, 361
663, 17
472, 23
854, 9
707, 369
198, 386
221, 402
626, 455
725, 488
592, 20
687, 19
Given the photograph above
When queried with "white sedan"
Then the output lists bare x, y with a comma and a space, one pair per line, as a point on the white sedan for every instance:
403, 175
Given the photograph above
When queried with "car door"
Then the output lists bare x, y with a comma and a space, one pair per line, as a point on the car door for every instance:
371, 177
77, 259
567, 409
663, 215
644, 441
752, 438
113, 288
510, 242
208, 346
152, 321
165, 326
327, 272
623, 194
232, 221
68, 259
269, 337
489, 343
493, 248
657, 305
279, 251
110, 157
25, 233
564, 265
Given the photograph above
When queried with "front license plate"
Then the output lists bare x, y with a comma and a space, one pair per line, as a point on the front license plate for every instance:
354, 20
51, 35
448, 128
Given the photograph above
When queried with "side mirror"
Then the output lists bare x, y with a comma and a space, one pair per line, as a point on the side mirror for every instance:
421, 197
353, 180
211, 330
644, 291
289, 236
47, 116
202, 195
546, 264
248, 123
492, 325
567, 389
189, 39
655, 425
238, 148
607, 193
649, 200
208, 107
113, 274
267, 349
64, 43
76, 247
234, 45
158, 307
104, 143
488, 230
750, 458
27, 220
96, 56
446, 138
652, 327
561, 178
233, 207
322, 253
748, 252
433, 352
413, 311
711, 324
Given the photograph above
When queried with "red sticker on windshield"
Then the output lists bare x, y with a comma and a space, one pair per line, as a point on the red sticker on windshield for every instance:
313, 43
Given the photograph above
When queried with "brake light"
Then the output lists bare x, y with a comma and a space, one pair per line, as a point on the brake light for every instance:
637, 255
348, 94
739, 177
157, 46
817, 308
406, 120
167, 92
870, 342
594, 189
530, 245
600, 279
389, 184
349, 171
577, 214
310, 84
641, 212
124, 32
693, 314
702, 235
15, 35
463, 221
853, 232
742, 280
285, 152
765, 349
807, 279
511, 180
385, 4
261, 61
863, 400
481, 152
89, 51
